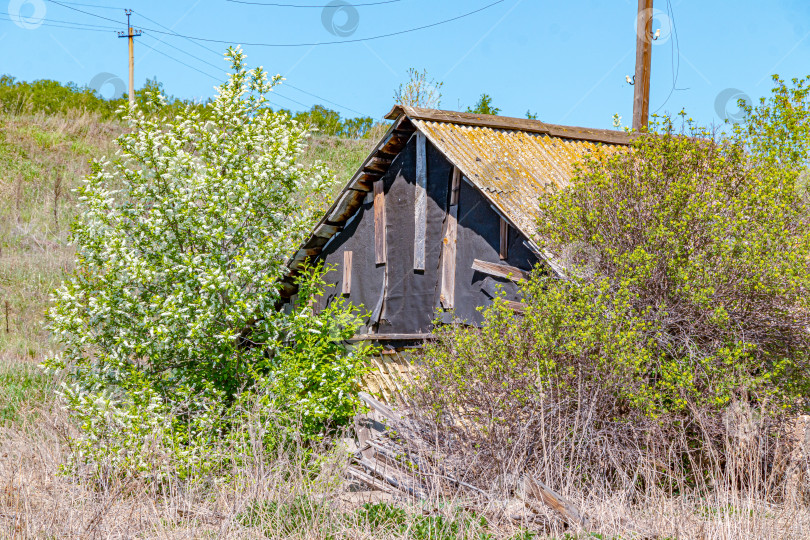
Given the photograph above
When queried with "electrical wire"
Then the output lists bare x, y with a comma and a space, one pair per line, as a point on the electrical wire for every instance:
675, 57
286, 84
191, 39
93, 5
277, 4
275, 91
185, 52
181, 62
218, 53
48, 22
335, 42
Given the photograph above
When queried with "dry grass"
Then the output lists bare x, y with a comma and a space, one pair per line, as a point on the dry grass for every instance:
277, 496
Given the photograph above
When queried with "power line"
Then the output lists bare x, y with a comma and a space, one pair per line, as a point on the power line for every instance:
218, 53
185, 52
218, 79
171, 32
675, 56
67, 24
94, 5
275, 92
286, 84
83, 11
311, 44
276, 4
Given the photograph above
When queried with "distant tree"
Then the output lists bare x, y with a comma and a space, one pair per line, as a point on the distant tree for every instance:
484, 106
530, 115
419, 91
328, 122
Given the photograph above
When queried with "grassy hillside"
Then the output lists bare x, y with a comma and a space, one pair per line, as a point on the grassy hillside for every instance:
42, 160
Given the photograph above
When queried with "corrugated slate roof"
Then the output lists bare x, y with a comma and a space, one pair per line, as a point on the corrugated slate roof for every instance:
513, 168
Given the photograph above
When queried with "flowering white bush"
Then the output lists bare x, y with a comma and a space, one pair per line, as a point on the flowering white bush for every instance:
181, 242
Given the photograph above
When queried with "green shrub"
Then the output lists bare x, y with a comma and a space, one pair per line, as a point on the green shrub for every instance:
172, 335
683, 314
705, 243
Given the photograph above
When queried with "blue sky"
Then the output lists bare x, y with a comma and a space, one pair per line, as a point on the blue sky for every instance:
564, 60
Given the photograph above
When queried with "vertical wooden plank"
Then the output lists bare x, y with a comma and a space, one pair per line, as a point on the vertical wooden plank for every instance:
347, 273
448, 277
504, 248
420, 204
379, 222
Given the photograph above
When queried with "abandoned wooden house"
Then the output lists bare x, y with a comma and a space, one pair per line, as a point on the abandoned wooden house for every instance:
441, 215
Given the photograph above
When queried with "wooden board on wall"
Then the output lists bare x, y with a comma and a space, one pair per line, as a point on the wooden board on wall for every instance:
420, 204
379, 222
448, 277
501, 270
504, 247
347, 273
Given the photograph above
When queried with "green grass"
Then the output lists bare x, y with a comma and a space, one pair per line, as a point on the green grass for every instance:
381, 519
342, 156
22, 383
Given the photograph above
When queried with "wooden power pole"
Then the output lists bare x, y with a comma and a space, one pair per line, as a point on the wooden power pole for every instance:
130, 34
644, 37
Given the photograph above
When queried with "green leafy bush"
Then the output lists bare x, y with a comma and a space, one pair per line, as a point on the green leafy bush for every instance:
171, 329
684, 302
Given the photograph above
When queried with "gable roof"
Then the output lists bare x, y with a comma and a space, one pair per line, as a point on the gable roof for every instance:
512, 161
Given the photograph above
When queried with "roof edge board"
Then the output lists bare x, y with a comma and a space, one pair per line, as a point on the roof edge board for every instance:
512, 123
353, 181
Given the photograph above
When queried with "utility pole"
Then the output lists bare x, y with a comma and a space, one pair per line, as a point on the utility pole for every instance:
130, 34
641, 81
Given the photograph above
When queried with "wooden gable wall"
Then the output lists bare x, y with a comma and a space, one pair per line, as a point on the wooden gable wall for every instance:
408, 216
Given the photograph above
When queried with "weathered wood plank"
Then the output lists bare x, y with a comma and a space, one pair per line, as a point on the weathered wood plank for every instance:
346, 206
390, 337
377, 164
420, 204
517, 307
379, 223
327, 231
370, 480
394, 143
346, 289
500, 270
447, 296
556, 502
504, 247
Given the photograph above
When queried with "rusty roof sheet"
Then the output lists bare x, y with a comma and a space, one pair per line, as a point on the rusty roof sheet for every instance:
513, 168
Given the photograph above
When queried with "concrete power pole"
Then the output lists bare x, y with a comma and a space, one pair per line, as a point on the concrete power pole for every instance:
644, 37
130, 34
